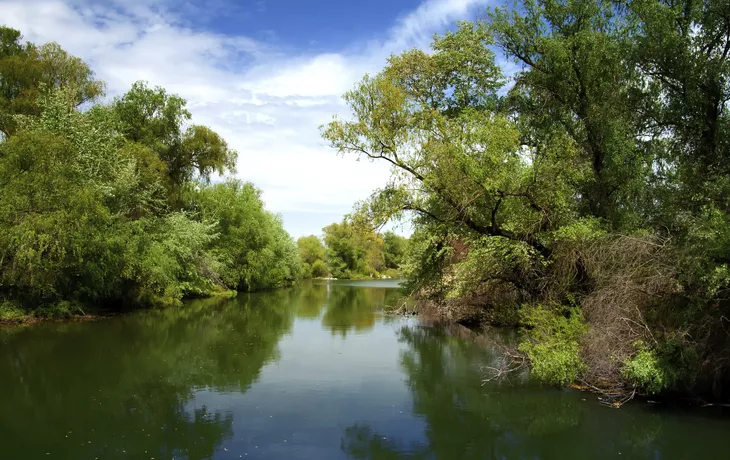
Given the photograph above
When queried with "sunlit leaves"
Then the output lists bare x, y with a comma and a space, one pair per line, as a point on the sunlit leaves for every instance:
111, 204
27, 71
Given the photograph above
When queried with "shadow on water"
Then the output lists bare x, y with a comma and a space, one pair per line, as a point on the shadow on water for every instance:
120, 388
467, 418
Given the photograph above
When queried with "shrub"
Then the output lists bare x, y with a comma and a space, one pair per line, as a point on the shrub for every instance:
319, 269
646, 371
10, 311
654, 370
551, 341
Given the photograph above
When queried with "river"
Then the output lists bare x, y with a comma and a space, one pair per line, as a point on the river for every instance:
313, 372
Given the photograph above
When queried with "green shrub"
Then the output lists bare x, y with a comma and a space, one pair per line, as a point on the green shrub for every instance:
645, 371
655, 370
551, 341
319, 269
63, 309
11, 311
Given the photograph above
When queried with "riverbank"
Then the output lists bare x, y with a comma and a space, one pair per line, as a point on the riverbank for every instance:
555, 347
66, 311
26, 320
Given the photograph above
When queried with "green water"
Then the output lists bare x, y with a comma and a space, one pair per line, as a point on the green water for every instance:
315, 372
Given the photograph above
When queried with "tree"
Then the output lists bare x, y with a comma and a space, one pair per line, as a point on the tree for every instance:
394, 249
458, 164
353, 250
252, 246
52, 222
112, 204
576, 83
593, 190
682, 49
155, 119
313, 255
27, 71
343, 253
319, 269
311, 249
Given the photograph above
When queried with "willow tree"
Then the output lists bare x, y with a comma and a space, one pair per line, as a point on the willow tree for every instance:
458, 163
111, 204
595, 187
159, 121
353, 249
28, 71
576, 79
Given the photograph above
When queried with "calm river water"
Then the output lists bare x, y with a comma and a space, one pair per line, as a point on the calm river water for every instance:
315, 372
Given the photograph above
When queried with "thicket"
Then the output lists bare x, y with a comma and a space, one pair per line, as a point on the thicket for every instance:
352, 249
111, 203
583, 197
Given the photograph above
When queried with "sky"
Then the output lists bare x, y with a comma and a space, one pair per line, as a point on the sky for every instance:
265, 74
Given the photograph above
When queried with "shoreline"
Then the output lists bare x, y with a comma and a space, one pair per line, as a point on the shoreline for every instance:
66, 316
32, 319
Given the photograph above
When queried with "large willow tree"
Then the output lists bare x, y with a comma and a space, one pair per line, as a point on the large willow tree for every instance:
588, 185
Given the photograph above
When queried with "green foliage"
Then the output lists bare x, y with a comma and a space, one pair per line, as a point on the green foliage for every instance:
457, 163
708, 234
29, 71
111, 204
645, 371
166, 259
428, 254
489, 259
319, 269
311, 249
551, 341
10, 311
93, 139
567, 72
52, 222
313, 255
653, 370
600, 175
351, 249
254, 249
395, 248
581, 231
156, 119
354, 250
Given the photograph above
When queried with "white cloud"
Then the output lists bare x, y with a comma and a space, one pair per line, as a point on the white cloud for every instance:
266, 104
417, 28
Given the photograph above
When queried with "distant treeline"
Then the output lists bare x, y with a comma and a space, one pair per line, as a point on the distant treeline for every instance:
110, 204
352, 250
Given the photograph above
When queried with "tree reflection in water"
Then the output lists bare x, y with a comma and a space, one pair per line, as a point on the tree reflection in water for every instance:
468, 419
131, 397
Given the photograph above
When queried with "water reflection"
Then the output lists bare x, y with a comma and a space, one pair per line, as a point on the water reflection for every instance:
121, 388
312, 300
315, 372
346, 306
469, 419
356, 309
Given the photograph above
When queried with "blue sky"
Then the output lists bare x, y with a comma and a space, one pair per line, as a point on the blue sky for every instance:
263, 73
312, 26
